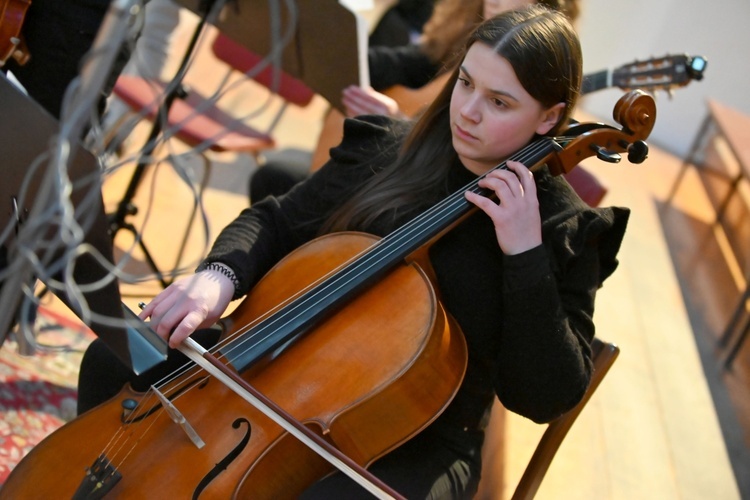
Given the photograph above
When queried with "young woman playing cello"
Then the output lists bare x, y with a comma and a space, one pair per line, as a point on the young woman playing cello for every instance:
519, 275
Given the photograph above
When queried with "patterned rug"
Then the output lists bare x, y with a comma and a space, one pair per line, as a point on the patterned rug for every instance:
38, 393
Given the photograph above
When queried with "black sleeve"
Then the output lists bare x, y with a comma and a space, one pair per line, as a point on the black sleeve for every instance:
545, 360
267, 231
407, 65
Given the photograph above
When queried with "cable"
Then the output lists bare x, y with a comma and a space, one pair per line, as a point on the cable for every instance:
50, 241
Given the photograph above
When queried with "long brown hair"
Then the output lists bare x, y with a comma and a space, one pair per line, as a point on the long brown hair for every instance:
544, 51
452, 21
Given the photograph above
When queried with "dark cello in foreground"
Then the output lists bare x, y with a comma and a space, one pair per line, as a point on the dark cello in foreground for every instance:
12, 43
347, 325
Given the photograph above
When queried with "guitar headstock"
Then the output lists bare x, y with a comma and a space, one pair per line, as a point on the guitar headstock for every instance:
661, 73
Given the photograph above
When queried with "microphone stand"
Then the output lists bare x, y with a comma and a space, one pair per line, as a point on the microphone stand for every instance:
126, 207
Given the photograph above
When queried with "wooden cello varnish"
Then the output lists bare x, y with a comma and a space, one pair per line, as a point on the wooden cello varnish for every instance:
367, 378
376, 371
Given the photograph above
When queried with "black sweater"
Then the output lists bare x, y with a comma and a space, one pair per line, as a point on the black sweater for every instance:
406, 65
527, 318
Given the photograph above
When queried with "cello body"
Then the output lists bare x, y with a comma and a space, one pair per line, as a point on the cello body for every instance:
366, 379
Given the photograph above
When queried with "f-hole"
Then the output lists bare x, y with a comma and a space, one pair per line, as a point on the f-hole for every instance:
224, 463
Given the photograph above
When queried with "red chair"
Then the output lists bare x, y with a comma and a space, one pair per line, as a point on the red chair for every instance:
586, 185
197, 120
200, 123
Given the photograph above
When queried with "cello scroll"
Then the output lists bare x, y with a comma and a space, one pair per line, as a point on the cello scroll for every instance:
635, 111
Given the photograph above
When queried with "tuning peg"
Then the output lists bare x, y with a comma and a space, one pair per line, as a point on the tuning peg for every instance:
696, 67
605, 155
637, 152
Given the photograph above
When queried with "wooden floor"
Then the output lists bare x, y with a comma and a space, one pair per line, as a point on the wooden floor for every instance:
666, 423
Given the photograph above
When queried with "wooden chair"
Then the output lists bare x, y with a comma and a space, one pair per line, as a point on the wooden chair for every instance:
604, 355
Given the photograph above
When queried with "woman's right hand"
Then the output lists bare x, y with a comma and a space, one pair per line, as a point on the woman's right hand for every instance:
188, 304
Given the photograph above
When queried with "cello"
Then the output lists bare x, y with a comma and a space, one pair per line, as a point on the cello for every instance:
12, 44
303, 327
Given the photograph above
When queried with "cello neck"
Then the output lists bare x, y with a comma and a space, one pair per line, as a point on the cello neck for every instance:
301, 314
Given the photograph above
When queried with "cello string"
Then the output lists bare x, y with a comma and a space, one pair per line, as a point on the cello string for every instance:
324, 286
126, 433
141, 420
372, 256
366, 259
380, 250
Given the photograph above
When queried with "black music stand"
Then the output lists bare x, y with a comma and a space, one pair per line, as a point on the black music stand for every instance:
26, 132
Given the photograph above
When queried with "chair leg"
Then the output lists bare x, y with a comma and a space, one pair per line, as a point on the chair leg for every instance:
690, 158
735, 349
736, 316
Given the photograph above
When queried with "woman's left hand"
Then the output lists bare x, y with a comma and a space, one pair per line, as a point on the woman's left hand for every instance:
518, 225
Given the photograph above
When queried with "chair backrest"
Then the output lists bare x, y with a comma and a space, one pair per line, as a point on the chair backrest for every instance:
587, 185
278, 81
604, 356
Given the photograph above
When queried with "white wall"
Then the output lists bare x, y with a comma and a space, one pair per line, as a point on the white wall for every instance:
615, 33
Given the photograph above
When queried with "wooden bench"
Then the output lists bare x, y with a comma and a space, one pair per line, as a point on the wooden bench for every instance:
721, 154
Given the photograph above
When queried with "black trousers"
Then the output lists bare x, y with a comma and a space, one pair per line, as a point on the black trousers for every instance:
426, 467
